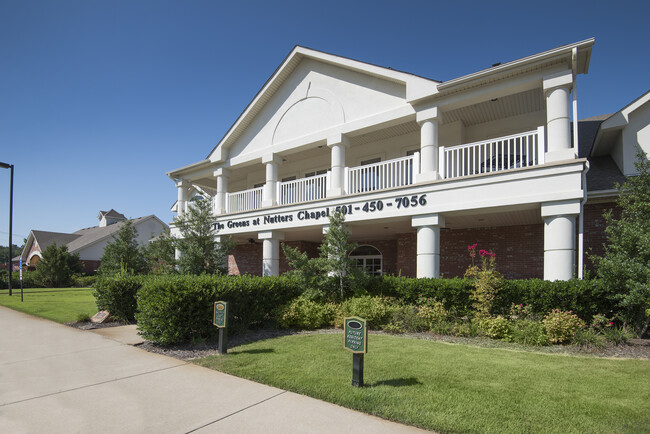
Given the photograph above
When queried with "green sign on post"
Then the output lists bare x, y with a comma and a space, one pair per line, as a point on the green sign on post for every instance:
220, 317
356, 335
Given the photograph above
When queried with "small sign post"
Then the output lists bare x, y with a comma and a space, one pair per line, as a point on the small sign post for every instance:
356, 341
220, 319
20, 276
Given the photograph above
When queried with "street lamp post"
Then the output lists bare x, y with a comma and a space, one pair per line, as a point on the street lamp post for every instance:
11, 212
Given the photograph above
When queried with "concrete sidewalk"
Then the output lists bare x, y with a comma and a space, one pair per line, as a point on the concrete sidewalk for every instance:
54, 378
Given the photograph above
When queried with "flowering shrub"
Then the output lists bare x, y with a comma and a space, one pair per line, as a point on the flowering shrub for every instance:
487, 281
521, 311
431, 311
496, 328
561, 326
600, 322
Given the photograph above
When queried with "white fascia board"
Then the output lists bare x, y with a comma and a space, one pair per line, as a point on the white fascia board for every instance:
189, 169
480, 75
27, 246
621, 118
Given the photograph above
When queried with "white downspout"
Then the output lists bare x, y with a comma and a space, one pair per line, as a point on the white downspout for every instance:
581, 223
574, 61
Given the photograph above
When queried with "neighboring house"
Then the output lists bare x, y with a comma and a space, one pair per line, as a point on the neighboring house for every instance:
89, 243
421, 168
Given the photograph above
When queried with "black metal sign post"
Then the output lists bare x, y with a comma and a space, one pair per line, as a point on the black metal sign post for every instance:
356, 341
220, 319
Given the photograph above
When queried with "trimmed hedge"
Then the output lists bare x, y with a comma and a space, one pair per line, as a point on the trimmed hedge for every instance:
584, 297
118, 295
179, 308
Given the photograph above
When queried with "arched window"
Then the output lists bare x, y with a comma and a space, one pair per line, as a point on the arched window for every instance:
368, 258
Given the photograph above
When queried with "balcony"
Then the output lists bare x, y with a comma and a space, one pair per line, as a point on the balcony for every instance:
488, 156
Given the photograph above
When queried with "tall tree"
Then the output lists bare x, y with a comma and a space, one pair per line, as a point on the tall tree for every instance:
334, 258
625, 266
123, 252
159, 254
57, 267
200, 251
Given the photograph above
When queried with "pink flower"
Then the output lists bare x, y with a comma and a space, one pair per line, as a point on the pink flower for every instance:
482, 252
472, 247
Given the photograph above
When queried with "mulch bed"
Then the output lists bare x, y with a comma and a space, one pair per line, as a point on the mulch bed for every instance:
634, 348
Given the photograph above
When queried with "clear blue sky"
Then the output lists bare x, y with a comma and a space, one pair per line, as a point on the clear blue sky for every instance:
98, 99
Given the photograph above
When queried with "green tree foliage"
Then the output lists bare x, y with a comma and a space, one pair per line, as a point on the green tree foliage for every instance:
625, 266
333, 260
57, 267
159, 254
123, 252
4, 252
200, 252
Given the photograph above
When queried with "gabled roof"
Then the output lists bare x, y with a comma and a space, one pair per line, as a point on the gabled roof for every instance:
45, 238
414, 84
112, 213
614, 123
82, 238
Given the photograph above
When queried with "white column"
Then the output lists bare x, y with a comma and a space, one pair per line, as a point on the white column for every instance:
428, 244
429, 121
557, 89
222, 189
559, 239
270, 252
183, 192
269, 194
337, 143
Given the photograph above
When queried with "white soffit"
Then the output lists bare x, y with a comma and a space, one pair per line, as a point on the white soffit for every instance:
512, 105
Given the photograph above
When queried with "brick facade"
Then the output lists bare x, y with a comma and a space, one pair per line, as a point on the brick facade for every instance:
519, 249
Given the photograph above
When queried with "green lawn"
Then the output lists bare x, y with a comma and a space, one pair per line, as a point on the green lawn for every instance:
446, 387
57, 304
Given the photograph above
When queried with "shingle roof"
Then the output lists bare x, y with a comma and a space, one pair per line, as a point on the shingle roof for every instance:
45, 238
603, 174
96, 233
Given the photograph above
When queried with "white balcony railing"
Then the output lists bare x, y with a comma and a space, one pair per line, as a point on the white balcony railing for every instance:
503, 153
385, 174
302, 190
244, 200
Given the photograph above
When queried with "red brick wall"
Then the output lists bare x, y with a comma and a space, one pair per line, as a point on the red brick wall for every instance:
594, 230
246, 259
406, 248
519, 249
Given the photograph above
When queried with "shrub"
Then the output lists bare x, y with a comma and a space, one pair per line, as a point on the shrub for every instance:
432, 312
56, 268
618, 335
454, 293
561, 326
405, 318
82, 281
304, 313
118, 295
528, 332
177, 308
496, 327
487, 281
375, 310
588, 338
